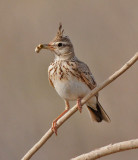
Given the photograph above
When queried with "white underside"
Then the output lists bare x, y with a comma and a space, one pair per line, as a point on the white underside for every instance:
73, 89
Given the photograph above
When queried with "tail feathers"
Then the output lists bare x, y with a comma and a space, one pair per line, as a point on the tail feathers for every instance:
99, 114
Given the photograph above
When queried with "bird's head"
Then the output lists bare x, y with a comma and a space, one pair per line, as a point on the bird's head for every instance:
60, 45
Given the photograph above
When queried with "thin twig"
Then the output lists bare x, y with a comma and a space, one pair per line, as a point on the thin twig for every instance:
110, 149
99, 87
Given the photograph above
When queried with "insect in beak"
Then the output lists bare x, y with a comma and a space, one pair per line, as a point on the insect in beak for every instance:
44, 46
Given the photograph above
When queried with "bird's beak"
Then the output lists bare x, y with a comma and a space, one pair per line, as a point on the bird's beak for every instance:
44, 46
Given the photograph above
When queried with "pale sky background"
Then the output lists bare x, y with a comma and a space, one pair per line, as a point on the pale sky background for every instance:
105, 36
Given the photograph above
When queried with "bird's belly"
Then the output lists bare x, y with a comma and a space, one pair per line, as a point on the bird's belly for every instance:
71, 89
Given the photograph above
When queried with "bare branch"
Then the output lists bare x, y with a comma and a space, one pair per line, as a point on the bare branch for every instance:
49, 133
110, 149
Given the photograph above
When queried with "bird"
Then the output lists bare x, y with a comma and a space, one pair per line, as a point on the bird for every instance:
71, 78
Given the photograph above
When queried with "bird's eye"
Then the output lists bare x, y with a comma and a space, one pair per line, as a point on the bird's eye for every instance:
60, 44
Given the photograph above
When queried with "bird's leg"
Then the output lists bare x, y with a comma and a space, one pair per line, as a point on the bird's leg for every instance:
79, 104
54, 123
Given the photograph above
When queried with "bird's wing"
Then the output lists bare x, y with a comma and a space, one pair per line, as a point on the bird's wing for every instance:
51, 83
85, 74
51, 70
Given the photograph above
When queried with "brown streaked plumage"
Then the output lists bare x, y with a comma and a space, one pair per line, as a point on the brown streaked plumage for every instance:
71, 78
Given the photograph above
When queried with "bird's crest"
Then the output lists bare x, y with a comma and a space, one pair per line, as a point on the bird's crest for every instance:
59, 34
60, 31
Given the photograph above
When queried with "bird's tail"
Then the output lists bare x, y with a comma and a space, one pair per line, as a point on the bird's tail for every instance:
98, 114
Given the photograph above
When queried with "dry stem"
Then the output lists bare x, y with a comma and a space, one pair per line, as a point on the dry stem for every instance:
49, 133
110, 149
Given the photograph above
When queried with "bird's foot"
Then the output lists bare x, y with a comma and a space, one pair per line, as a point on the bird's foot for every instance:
79, 104
54, 123
54, 127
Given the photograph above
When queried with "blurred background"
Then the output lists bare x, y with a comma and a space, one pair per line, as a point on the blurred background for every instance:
105, 36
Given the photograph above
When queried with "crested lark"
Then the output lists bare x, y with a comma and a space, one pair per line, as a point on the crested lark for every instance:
71, 78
